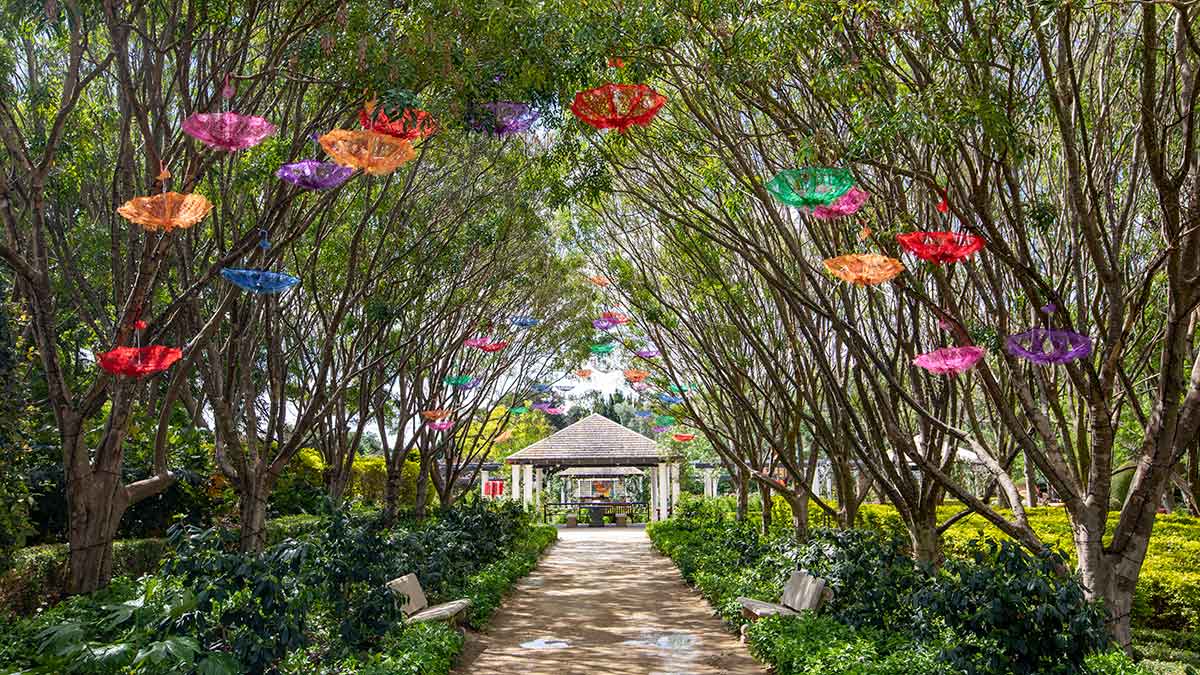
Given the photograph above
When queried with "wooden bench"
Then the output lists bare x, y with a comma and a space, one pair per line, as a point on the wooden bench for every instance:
802, 593
416, 607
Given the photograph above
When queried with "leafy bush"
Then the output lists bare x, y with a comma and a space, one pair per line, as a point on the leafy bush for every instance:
814, 645
997, 612
487, 588
1168, 589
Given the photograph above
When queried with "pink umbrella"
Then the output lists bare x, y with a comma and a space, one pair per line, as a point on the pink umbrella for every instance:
950, 360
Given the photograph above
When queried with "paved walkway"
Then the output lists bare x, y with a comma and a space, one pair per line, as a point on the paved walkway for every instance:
602, 601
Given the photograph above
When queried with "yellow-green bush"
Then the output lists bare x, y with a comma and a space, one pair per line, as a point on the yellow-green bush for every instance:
1168, 591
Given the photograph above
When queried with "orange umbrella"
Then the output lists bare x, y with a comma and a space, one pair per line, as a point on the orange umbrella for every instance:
374, 153
166, 211
584, 373
864, 269
436, 414
600, 280
635, 375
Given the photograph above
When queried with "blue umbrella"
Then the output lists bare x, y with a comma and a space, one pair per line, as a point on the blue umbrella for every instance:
644, 414
669, 399
260, 281
541, 388
524, 321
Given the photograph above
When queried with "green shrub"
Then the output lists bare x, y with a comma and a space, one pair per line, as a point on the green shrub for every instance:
39, 573
814, 645
486, 589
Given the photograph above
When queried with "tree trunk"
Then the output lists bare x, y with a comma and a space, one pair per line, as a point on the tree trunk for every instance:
925, 538
1193, 471
1031, 489
253, 513
764, 494
742, 480
1109, 576
391, 493
422, 497
799, 508
95, 502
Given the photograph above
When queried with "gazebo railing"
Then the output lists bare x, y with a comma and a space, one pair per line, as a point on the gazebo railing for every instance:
636, 510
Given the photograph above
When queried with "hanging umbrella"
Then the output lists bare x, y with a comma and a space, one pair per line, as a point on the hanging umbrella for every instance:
542, 405
519, 410
477, 342
683, 438
647, 353
166, 211
470, 384
643, 414
564, 388
616, 318
375, 154
605, 348
669, 399
227, 131
554, 411
541, 388
664, 420
524, 321
941, 247
502, 118
457, 380
864, 269
436, 414
678, 389
1046, 346
950, 360
259, 281
810, 186
600, 280
846, 205
139, 361
583, 373
411, 124
617, 106
660, 429
311, 174
640, 386
634, 375
441, 425
493, 347
603, 324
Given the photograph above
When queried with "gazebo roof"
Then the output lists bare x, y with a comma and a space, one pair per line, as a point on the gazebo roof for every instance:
600, 472
593, 441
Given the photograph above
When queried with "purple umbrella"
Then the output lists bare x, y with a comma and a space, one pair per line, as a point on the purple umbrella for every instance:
311, 174
602, 324
503, 118
1048, 345
660, 429
647, 352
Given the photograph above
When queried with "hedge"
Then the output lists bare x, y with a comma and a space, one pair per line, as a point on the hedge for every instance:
1168, 590
39, 573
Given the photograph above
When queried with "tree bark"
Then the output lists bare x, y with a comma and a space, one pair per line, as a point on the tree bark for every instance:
764, 494
742, 483
95, 503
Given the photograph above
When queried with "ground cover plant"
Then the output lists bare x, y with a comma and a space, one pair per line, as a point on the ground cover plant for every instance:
311, 604
992, 609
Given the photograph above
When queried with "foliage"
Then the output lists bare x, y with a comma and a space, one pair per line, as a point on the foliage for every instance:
313, 603
1168, 589
998, 611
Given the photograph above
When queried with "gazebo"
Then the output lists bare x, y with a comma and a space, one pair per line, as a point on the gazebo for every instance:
596, 442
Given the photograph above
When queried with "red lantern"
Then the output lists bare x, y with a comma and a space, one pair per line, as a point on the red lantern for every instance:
139, 361
941, 247
617, 106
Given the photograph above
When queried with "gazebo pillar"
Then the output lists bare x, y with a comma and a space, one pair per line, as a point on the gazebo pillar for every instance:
527, 484
539, 478
483, 480
653, 475
514, 491
675, 468
664, 490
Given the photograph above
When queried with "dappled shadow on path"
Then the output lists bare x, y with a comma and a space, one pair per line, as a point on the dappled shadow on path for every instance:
602, 601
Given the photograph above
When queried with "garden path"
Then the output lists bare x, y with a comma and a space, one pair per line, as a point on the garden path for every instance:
603, 601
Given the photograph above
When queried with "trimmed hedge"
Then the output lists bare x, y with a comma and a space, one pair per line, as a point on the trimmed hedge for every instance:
1168, 590
486, 588
39, 573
